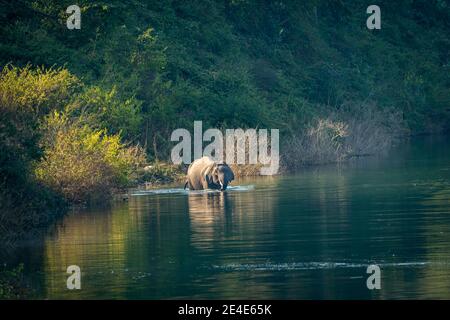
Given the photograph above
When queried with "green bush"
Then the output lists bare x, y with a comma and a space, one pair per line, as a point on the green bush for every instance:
85, 165
36, 90
101, 109
25, 96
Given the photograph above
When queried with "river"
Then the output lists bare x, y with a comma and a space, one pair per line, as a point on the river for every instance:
311, 235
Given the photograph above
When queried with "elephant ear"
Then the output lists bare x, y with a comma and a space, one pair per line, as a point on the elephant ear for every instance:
230, 173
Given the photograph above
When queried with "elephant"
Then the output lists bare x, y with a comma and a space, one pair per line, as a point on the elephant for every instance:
204, 173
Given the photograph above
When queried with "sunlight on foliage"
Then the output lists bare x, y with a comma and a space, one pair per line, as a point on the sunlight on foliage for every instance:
85, 164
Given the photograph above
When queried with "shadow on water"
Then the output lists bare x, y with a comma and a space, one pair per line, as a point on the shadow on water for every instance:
309, 235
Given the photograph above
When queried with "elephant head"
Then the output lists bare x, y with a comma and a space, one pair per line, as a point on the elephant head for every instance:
218, 176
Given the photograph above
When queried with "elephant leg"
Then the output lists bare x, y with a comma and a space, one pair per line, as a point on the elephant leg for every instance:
205, 183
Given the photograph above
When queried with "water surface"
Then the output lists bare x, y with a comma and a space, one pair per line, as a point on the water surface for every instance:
304, 236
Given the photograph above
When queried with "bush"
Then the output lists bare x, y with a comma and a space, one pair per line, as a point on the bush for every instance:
101, 109
85, 165
25, 96
352, 131
36, 91
12, 284
322, 143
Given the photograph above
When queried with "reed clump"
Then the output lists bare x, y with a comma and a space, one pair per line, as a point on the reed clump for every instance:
344, 134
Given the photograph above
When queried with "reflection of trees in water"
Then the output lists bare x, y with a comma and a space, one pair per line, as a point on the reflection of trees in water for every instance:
313, 221
382, 217
434, 280
140, 249
81, 239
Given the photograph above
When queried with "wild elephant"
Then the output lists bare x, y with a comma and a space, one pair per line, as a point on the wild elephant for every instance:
204, 173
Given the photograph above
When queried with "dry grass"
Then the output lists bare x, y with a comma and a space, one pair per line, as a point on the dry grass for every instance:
245, 170
350, 132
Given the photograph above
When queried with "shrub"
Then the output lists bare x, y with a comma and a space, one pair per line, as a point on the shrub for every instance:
321, 143
101, 109
25, 96
352, 131
36, 91
83, 164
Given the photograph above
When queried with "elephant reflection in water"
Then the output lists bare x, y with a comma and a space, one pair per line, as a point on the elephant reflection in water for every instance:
209, 213
217, 216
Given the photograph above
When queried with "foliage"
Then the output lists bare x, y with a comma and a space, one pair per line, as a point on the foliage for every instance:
12, 284
83, 164
101, 109
31, 100
36, 90
73, 102
26, 94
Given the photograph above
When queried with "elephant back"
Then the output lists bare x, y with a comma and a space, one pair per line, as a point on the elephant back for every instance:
199, 165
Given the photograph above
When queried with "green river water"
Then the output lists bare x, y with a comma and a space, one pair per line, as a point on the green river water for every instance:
305, 236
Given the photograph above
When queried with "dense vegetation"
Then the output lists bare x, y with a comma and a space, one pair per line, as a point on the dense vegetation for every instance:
13, 284
159, 65
82, 109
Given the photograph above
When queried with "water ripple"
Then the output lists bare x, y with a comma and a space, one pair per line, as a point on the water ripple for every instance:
182, 191
289, 266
